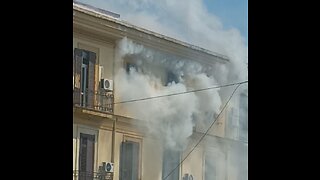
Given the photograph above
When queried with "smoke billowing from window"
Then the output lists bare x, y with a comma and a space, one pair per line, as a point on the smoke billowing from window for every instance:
171, 118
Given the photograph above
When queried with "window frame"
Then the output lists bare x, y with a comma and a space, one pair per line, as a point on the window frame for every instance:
214, 152
138, 140
90, 131
178, 169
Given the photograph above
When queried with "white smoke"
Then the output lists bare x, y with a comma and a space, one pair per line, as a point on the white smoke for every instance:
172, 117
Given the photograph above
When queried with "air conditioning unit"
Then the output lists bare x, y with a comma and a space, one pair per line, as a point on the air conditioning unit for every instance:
108, 166
187, 177
107, 84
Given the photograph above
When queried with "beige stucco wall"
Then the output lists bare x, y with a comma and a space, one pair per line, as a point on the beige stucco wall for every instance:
218, 128
104, 146
151, 159
193, 164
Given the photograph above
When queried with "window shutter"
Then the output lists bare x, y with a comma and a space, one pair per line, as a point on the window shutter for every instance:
86, 158
90, 156
171, 159
135, 161
91, 80
77, 61
129, 161
123, 162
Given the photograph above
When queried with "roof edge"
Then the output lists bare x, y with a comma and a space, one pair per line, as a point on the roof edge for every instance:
90, 10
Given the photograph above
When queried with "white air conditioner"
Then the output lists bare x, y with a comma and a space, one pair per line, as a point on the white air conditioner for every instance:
107, 84
109, 167
187, 177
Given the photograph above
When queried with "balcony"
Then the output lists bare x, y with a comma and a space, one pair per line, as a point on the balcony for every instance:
83, 175
100, 100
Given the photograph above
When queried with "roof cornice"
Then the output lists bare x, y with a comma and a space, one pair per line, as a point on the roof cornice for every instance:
85, 18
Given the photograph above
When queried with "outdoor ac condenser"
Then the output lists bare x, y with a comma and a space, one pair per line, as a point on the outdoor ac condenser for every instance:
107, 84
108, 166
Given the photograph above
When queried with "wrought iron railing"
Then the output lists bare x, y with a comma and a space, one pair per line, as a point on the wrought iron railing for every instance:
85, 175
82, 175
101, 100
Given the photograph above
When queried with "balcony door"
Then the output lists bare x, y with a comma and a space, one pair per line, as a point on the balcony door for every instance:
84, 75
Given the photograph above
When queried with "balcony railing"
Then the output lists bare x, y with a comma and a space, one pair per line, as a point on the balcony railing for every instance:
84, 175
101, 100
80, 175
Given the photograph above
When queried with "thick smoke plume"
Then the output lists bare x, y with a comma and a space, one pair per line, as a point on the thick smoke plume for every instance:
173, 117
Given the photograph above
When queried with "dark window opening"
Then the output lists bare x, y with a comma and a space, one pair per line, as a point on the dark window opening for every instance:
130, 66
171, 77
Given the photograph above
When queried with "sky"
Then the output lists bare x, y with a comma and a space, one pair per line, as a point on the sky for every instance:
232, 13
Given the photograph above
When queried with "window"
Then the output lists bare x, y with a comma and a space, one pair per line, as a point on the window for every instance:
84, 77
129, 160
84, 82
210, 170
231, 124
130, 65
243, 117
171, 77
214, 164
86, 156
171, 159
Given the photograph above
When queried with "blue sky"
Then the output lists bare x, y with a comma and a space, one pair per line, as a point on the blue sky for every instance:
232, 13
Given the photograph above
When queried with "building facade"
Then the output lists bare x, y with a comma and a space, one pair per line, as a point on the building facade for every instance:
104, 135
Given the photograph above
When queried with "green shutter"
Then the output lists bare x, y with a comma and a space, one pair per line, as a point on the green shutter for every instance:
77, 61
91, 80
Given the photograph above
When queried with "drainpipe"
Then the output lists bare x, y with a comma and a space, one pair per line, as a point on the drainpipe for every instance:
113, 139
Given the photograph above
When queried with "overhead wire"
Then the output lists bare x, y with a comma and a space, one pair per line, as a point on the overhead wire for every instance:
174, 94
203, 134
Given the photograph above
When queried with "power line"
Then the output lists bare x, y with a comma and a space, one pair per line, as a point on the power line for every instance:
205, 132
142, 120
128, 117
225, 138
174, 94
